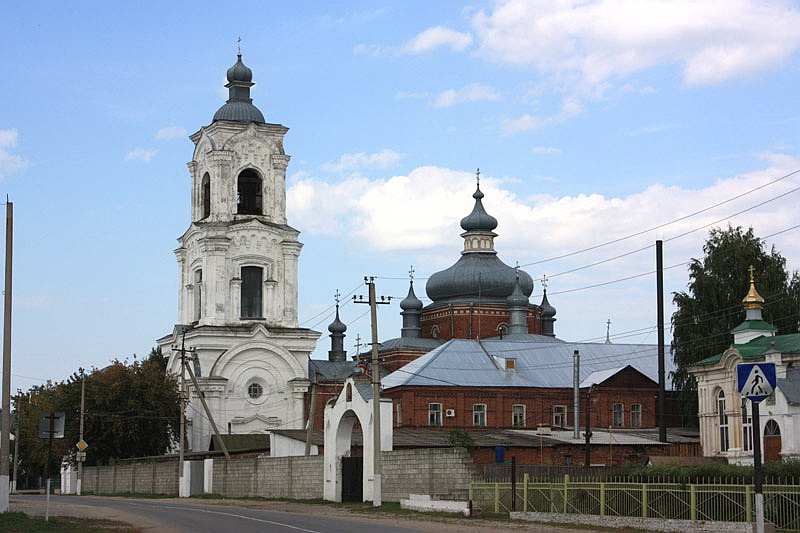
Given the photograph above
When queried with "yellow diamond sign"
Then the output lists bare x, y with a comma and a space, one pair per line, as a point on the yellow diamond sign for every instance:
82, 445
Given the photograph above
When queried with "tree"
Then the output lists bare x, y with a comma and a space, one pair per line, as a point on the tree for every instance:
713, 305
131, 410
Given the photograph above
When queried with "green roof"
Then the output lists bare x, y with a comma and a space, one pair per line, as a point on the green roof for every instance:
754, 325
756, 348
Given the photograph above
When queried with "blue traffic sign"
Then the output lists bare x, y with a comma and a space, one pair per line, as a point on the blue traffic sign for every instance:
756, 381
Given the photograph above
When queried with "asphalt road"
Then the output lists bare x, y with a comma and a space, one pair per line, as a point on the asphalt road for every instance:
195, 517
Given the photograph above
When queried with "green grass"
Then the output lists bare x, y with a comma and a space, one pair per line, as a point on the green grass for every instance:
21, 523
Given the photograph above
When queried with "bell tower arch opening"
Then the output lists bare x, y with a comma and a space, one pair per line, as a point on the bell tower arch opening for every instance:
205, 197
249, 198
252, 292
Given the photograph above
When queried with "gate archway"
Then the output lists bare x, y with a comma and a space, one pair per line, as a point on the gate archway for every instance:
350, 407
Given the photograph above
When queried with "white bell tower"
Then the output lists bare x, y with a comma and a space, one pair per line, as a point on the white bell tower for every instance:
238, 266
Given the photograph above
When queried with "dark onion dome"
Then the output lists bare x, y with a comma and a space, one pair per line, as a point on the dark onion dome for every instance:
239, 72
239, 107
337, 326
411, 302
517, 298
548, 311
477, 276
479, 219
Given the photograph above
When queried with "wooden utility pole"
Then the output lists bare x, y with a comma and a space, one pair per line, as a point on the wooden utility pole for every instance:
5, 423
376, 389
662, 416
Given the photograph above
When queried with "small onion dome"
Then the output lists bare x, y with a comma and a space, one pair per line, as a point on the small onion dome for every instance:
753, 299
548, 311
477, 277
479, 219
517, 298
337, 326
239, 72
411, 302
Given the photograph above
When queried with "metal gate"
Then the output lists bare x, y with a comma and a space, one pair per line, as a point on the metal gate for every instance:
352, 479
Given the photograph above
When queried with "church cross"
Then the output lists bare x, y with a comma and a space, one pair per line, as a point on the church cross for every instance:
544, 281
411, 273
239, 45
478, 177
752, 271
358, 343
336, 296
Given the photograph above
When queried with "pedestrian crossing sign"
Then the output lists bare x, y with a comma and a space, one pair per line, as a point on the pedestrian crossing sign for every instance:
756, 381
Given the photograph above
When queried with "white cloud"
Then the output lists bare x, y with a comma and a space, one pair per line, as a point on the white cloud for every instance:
9, 162
373, 50
430, 201
547, 150
142, 154
569, 108
474, 92
437, 37
171, 132
354, 162
591, 42
401, 95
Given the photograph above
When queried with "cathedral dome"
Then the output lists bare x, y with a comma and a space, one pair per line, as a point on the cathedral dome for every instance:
476, 277
239, 112
517, 298
337, 326
548, 311
411, 302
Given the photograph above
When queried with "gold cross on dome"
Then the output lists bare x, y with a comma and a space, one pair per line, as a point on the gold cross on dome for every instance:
752, 271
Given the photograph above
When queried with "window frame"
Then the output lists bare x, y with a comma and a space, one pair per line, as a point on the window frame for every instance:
636, 415
249, 193
618, 414
251, 303
479, 415
560, 412
723, 422
434, 414
517, 417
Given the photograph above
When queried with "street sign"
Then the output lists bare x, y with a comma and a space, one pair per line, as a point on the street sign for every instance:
80, 456
82, 445
756, 381
51, 425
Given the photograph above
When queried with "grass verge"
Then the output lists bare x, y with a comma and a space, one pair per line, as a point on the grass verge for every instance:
16, 522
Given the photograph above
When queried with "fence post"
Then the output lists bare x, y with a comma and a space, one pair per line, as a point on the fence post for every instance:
692, 503
748, 503
566, 488
471, 498
525, 480
644, 500
602, 499
497, 497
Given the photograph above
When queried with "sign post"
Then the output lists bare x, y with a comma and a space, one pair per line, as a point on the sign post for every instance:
756, 381
51, 426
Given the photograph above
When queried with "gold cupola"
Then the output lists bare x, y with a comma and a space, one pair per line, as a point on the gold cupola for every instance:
753, 300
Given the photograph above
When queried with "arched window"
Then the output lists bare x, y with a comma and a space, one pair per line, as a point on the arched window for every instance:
205, 196
723, 422
198, 294
772, 429
747, 427
252, 282
248, 193
435, 332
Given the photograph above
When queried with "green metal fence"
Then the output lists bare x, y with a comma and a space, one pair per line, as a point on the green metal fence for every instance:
721, 502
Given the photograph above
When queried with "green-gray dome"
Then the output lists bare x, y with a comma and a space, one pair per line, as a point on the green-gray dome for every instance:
479, 219
239, 107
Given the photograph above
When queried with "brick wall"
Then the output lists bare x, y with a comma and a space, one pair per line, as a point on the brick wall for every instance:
269, 477
427, 471
467, 322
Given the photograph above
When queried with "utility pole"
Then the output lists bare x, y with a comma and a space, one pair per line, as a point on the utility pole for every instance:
376, 389
576, 391
662, 416
80, 440
588, 433
5, 423
182, 429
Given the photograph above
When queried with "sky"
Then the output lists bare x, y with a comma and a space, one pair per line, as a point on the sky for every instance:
597, 121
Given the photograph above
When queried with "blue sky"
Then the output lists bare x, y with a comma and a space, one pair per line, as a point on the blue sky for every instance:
590, 121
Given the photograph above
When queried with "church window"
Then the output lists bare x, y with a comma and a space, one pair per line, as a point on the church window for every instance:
723, 422
772, 429
618, 415
252, 282
399, 415
636, 415
198, 294
434, 414
479, 414
747, 427
518, 415
205, 196
435, 332
255, 390
502, 330
248, 193
560, 416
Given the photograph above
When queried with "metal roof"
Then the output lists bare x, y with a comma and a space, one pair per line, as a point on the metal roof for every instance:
790, 386
538, 363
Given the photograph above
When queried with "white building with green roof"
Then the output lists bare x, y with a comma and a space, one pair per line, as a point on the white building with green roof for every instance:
726, 425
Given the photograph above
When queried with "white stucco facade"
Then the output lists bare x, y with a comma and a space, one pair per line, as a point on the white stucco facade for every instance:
238, 285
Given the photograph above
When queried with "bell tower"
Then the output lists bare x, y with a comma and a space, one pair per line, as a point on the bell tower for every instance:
238, 260
238, 265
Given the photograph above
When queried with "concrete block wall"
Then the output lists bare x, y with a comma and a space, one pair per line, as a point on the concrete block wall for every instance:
427, 471
269, 477
141, 478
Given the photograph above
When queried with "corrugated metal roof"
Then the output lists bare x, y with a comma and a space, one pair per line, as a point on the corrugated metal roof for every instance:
599, 376
467, 363
790, 386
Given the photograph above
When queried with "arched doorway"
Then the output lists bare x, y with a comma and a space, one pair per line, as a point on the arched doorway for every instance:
353, 459
772, 441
